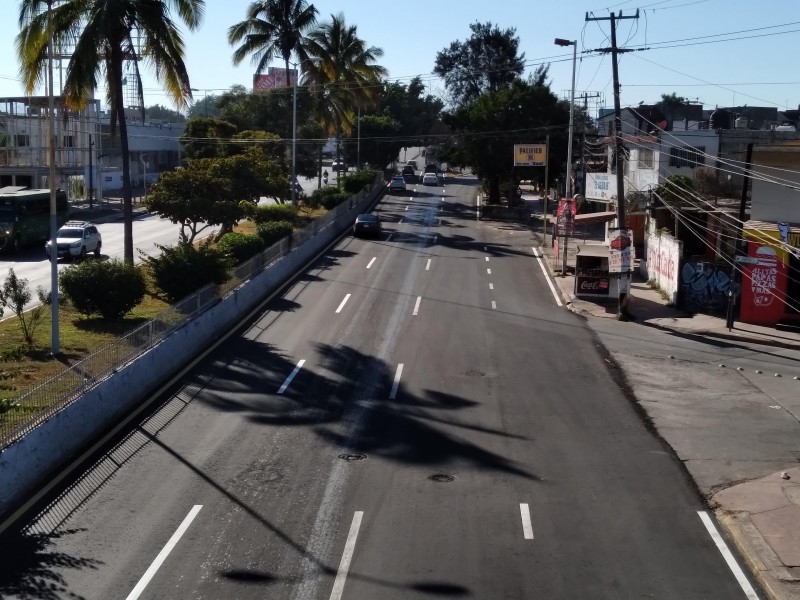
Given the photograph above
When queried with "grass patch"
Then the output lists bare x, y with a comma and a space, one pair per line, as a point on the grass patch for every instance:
23, 368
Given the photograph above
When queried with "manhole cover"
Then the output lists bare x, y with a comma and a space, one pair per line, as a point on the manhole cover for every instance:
442, 478
352, 456
475, 373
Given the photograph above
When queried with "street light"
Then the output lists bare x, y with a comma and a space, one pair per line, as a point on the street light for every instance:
574, 44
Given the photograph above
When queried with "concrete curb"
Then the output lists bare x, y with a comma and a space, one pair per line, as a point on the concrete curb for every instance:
762, 561
722, 335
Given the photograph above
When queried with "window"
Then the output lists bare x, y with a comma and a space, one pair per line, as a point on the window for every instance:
68, 142
22, 139
687, 157
645, 156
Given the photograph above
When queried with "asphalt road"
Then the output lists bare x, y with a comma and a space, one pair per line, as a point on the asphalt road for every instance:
416, 417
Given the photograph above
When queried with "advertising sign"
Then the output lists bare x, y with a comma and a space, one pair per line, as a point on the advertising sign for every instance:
275, 78
530, 155
591, 286
620, 253
565, 217
601, 187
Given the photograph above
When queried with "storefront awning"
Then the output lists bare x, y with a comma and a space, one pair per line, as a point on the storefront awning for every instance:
598, 217
595, 250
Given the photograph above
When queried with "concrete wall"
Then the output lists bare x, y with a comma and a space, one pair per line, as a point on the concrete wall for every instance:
28, 462
663, 261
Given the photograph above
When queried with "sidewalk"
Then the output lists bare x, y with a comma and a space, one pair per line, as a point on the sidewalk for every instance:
761, 516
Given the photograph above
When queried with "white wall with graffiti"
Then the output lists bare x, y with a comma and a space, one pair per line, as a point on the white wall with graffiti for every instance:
663, 260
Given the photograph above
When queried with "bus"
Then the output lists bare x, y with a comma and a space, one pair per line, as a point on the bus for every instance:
25, 216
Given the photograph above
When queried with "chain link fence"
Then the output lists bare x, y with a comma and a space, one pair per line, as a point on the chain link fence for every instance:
38, 404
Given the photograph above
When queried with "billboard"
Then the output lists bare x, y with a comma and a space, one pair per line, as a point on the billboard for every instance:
620, 253
274, 79
601, 187
530, 155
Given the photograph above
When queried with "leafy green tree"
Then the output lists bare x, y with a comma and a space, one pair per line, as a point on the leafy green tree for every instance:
162, 113
487, 62
104, 35
204, 107
190, 197
380, 139
489, 127
271, 29
212, 192
206, 137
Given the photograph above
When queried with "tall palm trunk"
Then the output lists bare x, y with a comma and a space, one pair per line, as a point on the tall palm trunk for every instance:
127, 204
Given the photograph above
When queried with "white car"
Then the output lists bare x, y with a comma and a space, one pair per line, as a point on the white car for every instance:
76, 239
430, 179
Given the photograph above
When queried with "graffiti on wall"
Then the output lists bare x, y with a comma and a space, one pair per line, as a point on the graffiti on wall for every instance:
704, 287
663, 258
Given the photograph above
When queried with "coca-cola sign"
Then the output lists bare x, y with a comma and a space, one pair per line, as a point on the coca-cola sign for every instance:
594, 286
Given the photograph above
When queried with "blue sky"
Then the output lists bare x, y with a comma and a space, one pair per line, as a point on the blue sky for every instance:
756, 69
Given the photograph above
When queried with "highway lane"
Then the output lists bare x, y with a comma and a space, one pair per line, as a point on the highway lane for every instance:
558, 490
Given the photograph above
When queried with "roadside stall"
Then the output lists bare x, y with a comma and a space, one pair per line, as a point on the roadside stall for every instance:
592, 278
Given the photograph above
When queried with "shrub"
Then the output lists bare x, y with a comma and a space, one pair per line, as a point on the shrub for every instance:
183, 269
240, 246
358, 180
274, 231
107, 288
266, 213
329, 197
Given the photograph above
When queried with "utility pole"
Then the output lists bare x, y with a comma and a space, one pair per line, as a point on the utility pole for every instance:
618, 148
741, 243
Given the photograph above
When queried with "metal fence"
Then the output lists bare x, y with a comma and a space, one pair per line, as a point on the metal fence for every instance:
40, 403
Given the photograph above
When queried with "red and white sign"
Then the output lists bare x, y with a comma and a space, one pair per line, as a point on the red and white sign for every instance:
591, 286
763, 286
620, 253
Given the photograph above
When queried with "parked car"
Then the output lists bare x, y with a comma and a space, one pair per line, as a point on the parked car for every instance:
76, 239
367, 224
430, 179
397, 184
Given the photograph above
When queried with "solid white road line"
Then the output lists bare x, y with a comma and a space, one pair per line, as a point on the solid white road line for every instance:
428, 265
292, 376
406, 206
416, 305
726, 553
343, 302
487, 258
347, 556
527, 526
489, 271
390, 236
372, 261
491, 286
547, 277
396, 382
494, 305
162, 556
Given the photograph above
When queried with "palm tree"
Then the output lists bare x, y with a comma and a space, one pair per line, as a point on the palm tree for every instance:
106, 33
344, 73
272, 28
